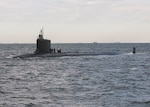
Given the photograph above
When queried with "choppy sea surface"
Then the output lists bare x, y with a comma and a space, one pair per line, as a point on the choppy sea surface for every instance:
121, 80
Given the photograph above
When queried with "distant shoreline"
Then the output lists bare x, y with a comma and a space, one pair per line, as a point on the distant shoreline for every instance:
87, 43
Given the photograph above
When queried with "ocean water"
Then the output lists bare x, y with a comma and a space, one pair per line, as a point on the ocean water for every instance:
108, 80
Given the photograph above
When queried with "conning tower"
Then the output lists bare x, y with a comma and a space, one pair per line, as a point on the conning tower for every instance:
42, 45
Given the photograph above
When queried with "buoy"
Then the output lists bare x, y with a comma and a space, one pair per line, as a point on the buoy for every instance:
134, 50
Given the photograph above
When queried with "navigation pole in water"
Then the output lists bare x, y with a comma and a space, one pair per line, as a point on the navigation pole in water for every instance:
134, 50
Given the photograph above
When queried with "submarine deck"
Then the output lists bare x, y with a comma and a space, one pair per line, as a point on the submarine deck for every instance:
63, 54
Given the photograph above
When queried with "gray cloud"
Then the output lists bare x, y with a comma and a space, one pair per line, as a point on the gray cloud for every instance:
76, 17
74, 11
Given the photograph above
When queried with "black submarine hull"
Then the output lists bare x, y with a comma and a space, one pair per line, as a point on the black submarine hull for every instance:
64, 54
43, 49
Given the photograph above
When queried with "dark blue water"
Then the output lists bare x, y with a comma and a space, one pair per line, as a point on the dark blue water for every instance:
121, 80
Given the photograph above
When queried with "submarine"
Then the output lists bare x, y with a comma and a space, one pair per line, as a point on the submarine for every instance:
43, 49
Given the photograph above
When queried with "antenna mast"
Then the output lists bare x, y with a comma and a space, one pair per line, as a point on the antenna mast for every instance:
41, 33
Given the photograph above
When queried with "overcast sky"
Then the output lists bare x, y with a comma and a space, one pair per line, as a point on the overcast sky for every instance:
67, 21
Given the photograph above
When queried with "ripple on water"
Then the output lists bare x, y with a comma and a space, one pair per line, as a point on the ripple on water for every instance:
93, 81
